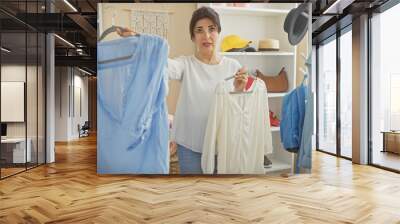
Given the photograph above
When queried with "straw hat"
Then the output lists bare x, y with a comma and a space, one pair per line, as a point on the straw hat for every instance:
268, 45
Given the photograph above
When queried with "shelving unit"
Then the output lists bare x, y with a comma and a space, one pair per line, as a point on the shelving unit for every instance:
275, 129
274, 95
278, 166
264, 20
264, 53
250, 11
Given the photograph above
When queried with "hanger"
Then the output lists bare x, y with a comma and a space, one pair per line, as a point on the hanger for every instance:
109, 30
106, 32
241, 92
305, 75
248, 74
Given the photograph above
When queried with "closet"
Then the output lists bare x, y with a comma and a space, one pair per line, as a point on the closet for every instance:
260, 21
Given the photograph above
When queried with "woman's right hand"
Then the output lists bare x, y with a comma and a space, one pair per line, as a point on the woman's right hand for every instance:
241, 78
125, 32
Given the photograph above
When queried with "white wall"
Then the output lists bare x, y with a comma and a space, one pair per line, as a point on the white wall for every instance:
68, 82
80, 83
33, 126
12, 73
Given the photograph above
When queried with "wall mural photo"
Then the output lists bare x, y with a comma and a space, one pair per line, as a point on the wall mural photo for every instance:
204, 88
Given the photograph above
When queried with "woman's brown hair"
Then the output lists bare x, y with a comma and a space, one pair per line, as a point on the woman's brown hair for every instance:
201, 13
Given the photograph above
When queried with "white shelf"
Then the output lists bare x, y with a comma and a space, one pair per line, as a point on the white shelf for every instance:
261, 53
250, 11
275, 129
278, 165
273, 95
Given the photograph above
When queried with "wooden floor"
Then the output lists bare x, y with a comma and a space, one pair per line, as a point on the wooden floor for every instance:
5, 172
70, 191
387, 159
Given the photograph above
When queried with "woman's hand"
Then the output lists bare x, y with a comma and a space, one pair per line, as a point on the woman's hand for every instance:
241, 78
125, 32
172, 148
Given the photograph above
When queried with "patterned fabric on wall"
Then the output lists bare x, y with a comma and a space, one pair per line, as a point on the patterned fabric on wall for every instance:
149, 22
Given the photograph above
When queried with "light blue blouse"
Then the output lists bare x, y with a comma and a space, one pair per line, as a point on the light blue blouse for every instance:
132, 111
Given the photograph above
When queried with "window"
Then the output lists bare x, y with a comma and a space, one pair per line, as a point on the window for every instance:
394, 101
346, 94
22, 73
334, 106
385, 86
327, 97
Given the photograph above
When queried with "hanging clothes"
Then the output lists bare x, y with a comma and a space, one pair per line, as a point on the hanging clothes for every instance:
297, 123
304, 155
132, 111
238, 131
293, 109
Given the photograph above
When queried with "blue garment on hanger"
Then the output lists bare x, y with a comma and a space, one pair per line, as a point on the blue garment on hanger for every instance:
132, 111
293, 109
304, 154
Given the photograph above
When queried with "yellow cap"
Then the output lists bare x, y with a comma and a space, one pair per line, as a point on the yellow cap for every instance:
233, 41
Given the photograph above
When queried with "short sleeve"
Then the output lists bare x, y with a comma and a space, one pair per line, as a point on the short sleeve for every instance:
176, 67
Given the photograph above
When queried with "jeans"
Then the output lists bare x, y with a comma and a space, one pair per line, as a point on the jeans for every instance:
190, 161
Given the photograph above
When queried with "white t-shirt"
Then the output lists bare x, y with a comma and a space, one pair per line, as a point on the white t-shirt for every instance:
198, 83
238, 130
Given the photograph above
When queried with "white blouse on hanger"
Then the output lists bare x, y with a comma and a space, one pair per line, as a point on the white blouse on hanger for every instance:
238, 131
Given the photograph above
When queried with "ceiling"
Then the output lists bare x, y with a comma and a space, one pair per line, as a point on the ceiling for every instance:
76, 25
330, 16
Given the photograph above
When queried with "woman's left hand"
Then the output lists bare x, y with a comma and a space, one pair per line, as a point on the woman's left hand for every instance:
125, 32
241, 78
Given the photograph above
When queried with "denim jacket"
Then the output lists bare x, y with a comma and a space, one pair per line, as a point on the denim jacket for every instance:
293, 108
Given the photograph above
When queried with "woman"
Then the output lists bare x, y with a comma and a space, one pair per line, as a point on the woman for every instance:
199, 75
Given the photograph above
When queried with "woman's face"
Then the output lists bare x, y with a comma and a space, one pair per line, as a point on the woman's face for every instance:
205, 35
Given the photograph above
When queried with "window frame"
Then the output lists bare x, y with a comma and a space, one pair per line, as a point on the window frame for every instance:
379, 10
334, 37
